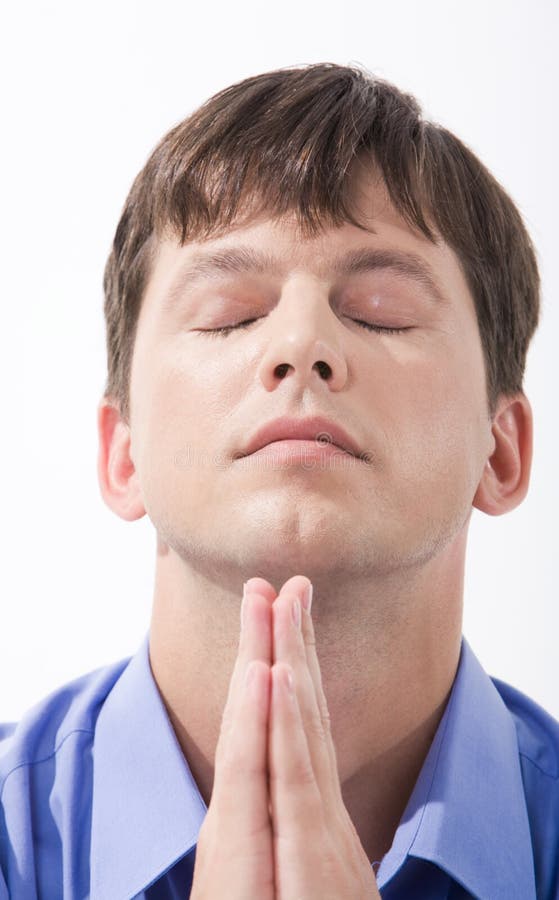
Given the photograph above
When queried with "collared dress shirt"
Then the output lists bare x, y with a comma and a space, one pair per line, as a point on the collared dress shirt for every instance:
97, 800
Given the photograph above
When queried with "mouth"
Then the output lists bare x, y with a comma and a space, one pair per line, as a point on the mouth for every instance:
315, 436
300, 449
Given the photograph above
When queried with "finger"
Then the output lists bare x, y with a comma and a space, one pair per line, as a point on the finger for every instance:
294, 794
255, 636
255, 643
298, 648
260, 586
240, 792
297, 584
309, 640
300, 584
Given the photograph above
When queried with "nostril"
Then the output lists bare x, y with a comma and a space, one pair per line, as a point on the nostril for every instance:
324, 369
282, 369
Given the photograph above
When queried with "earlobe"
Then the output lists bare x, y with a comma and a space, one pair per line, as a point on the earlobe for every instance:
506, 475
118, 479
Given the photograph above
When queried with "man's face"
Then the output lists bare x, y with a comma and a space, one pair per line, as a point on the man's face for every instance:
414, 401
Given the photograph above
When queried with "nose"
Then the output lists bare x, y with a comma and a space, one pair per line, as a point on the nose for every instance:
303, 342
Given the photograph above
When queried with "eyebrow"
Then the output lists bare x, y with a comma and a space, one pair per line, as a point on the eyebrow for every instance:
208, 266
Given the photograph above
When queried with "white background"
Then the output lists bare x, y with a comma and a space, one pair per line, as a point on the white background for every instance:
87, 92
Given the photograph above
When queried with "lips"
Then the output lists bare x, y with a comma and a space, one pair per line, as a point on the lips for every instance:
316, 428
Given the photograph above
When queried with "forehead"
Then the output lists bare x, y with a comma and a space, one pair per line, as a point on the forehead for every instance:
277, 247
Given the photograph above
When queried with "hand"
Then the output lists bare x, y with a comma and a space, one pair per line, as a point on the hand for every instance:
296, 840
317, 852
234, 854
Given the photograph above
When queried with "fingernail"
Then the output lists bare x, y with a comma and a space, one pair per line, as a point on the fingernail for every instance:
307, 599
296, 611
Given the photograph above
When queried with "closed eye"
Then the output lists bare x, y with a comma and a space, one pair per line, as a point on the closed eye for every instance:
382, 329
227, 329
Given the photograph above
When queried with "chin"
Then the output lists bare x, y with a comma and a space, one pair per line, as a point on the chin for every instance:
296, 545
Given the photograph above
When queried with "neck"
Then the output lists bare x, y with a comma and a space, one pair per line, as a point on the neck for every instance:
388, 652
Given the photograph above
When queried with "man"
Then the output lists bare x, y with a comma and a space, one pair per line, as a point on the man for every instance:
318, 311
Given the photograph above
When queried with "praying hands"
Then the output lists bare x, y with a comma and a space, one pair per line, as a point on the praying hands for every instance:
277, 827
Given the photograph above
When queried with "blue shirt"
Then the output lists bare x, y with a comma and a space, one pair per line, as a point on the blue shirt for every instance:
97, 800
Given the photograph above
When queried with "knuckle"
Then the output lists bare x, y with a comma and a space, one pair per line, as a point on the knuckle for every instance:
320, 726
318, 732
226, 721
223, 742
326, 721
301, 775
236, 766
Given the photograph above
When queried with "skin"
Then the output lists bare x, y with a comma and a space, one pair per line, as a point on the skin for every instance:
292, 835
382, 542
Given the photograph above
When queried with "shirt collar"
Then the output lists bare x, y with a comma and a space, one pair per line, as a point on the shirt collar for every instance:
467, 813
146, 809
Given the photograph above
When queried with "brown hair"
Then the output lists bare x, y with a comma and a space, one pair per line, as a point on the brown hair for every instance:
285, 141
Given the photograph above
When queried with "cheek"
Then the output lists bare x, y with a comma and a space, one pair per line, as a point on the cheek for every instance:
184, 389
432, 411
183, 404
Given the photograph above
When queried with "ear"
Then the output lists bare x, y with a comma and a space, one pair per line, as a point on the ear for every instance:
506, 476
118, 478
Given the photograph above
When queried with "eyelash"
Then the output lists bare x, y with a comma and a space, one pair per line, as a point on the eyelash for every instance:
225, 330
